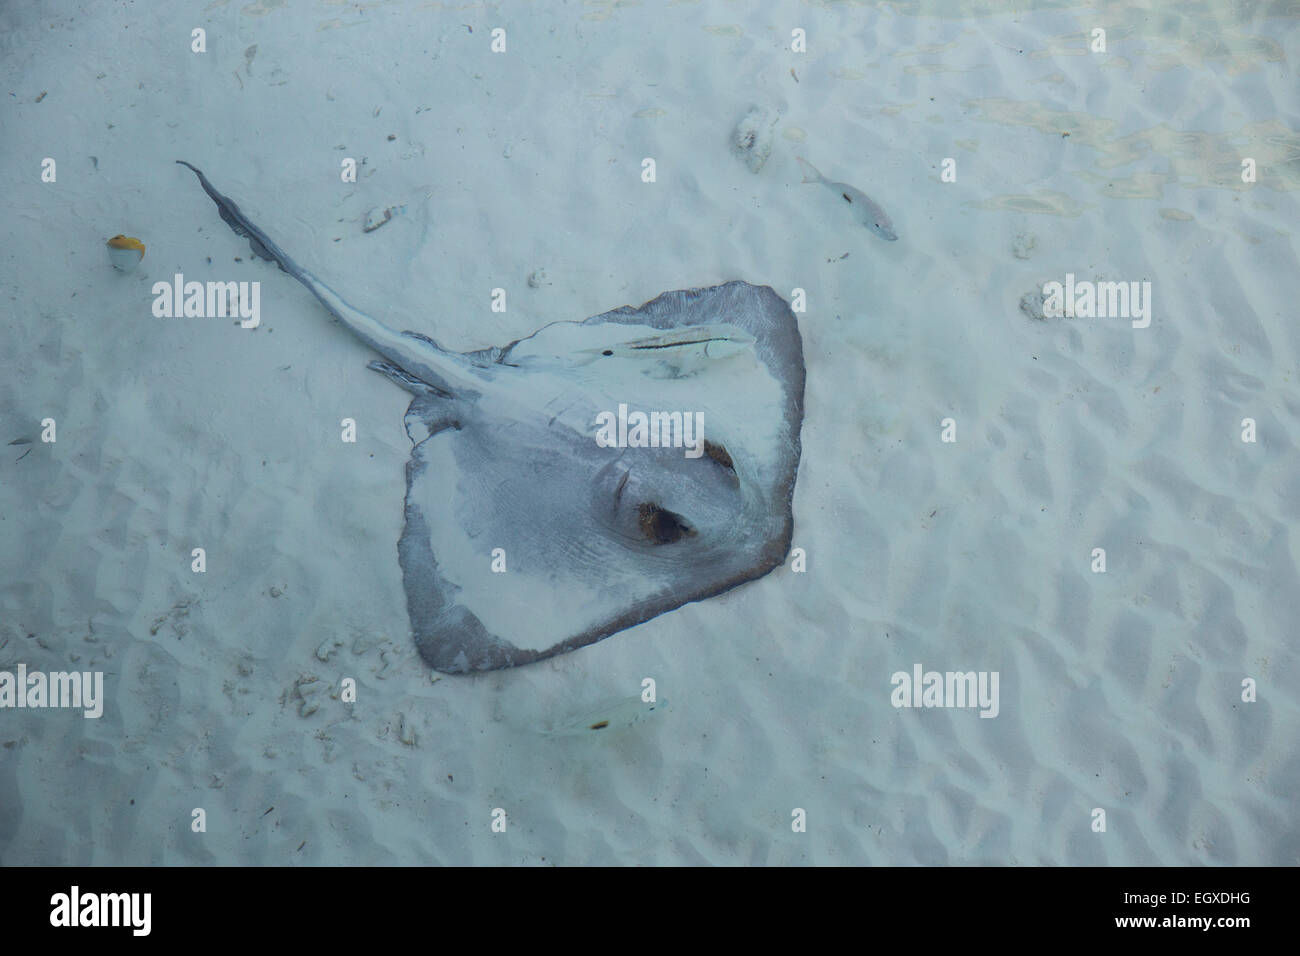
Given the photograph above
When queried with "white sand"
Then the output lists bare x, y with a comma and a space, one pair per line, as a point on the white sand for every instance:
1119, 691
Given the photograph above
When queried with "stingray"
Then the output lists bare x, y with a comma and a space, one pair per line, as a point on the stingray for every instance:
540, 515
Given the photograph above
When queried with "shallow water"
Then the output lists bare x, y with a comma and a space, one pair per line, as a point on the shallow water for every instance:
1007, 152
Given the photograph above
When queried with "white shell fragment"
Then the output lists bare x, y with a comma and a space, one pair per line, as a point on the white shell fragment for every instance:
377, 217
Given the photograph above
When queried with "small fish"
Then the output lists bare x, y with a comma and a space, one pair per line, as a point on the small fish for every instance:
867, 212
688, 347
607, 718
670, 353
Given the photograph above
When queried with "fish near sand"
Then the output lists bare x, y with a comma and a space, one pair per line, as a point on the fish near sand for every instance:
525, 536
607, 718
864, 208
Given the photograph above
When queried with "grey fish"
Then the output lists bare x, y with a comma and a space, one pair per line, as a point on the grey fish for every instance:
864, 208
526, 537
607, 718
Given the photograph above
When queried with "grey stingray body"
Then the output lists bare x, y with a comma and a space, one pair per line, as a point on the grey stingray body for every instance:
525, 536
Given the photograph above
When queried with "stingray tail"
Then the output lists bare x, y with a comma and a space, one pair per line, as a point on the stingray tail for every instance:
407, 381
236, 220
409, 353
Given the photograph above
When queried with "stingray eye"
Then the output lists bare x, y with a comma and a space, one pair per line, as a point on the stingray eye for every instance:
719, 454
661, 526
607, 352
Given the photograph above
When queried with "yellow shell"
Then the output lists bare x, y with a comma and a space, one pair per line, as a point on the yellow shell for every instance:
125, 252
126, 242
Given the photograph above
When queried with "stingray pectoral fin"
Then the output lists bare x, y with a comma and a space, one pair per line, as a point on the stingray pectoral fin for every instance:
448, 636
524, 539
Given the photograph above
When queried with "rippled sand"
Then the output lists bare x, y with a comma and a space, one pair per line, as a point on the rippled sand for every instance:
1119, 691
